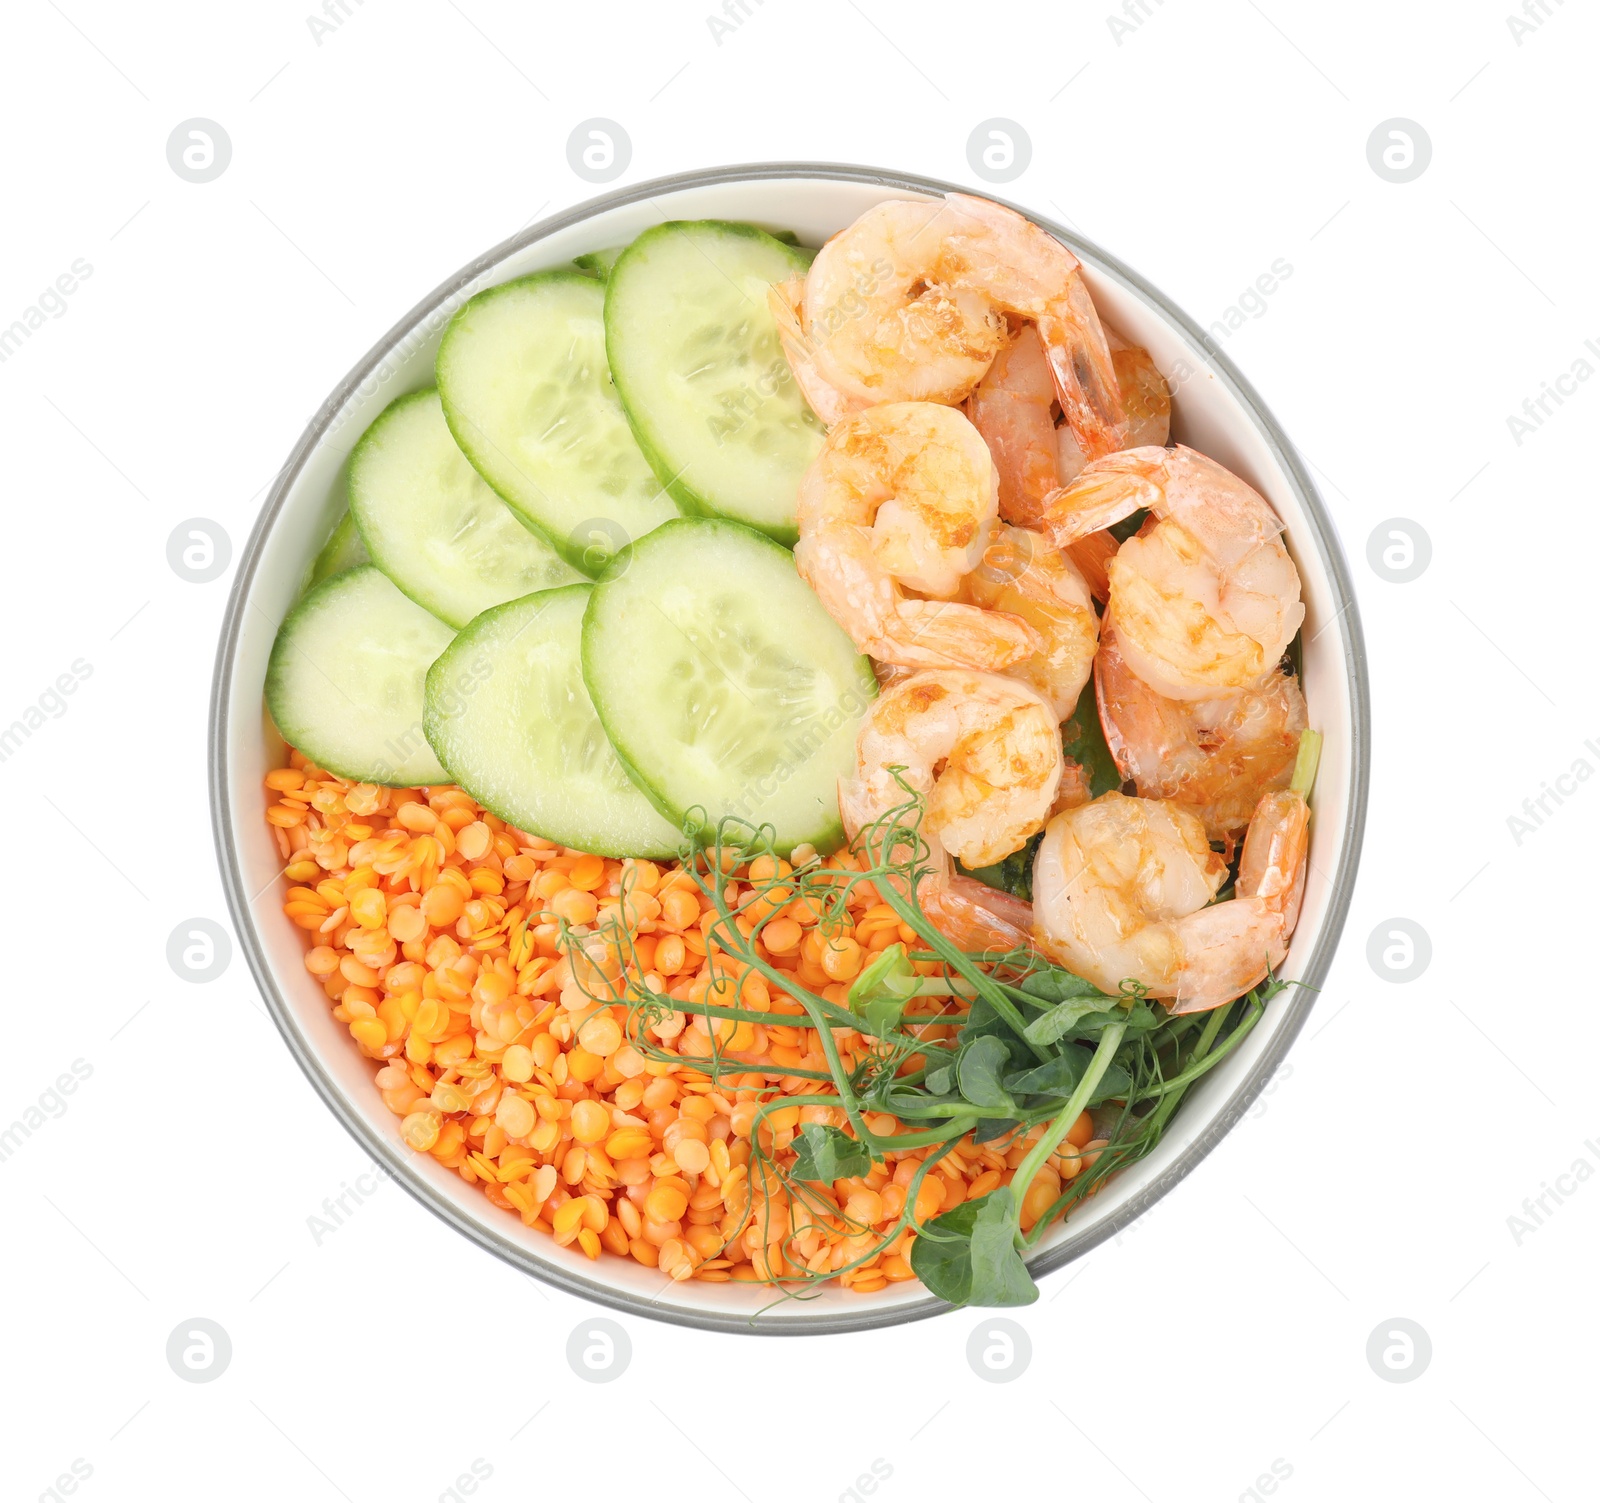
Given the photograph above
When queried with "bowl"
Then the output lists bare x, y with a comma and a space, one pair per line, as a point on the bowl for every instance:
1215, 410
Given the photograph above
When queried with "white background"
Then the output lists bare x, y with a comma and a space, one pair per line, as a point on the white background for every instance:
1226, 1332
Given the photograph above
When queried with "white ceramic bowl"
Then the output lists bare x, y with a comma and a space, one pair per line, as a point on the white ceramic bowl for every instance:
1214, 411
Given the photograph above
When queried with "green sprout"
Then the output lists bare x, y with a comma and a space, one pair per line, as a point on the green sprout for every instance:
1035, 1046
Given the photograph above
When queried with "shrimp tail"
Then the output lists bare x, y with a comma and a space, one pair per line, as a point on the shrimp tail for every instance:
1090, 504
945, 634
976, 916
1085, 374
1116, 725
826, 400
1234, 945
1228, 950
1012, 409
1093, 555
910, 633
1146, 397
1074, 790
1109, 490
1272, 865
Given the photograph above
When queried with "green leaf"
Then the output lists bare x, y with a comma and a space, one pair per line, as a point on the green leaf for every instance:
942, 1254
1084, 741
999, 1276
1080, 1009
1013, 874
910, 1103
1060, 1020
1128, 526
1140, 1018
979, 1068
880, 1017
990, 1128
878, 996
982, 1019
984, 1022
1056, 1077
969, 1255
1060, 1077
940, 1080
828, 1153
1056, 985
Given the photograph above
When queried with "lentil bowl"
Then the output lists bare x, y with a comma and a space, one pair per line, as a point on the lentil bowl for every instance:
470, 933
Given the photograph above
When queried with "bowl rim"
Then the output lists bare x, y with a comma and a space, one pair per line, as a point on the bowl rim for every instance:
388, 1156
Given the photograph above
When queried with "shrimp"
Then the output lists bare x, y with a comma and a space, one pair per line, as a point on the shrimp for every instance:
1014, 409
828, 402
1023, 574
978, 917
909, 303
1122, 892
984, 755
1146, 401
1214, 756
1205, 598
902, 498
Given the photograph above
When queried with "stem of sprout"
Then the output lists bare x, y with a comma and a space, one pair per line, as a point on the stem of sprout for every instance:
1202, 1060
1305, 763
957, 959
1110, 1042
954, 1127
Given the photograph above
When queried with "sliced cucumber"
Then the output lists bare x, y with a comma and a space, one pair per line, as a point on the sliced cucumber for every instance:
724, 685
522, 372
598, 263
344, 682
508, 714
696, 358
432, 525
343, 550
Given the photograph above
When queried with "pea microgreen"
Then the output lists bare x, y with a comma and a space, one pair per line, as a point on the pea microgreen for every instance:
1020, 1044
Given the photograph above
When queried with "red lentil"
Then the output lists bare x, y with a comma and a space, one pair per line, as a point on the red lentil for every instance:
434, 929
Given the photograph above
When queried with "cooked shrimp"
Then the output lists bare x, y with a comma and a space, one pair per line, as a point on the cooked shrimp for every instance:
984, 754
1214, 756
1093, 556
908, 303
1146, 401
1024, 574
1014, 409
976, 916
902, 498
1122, 892
829, 403
1206, 598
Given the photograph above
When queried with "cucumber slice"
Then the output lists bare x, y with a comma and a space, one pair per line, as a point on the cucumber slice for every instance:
724, 685
508, 714
432, 525
598, 263
695, 355
522, 372
344, 682
343, 550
